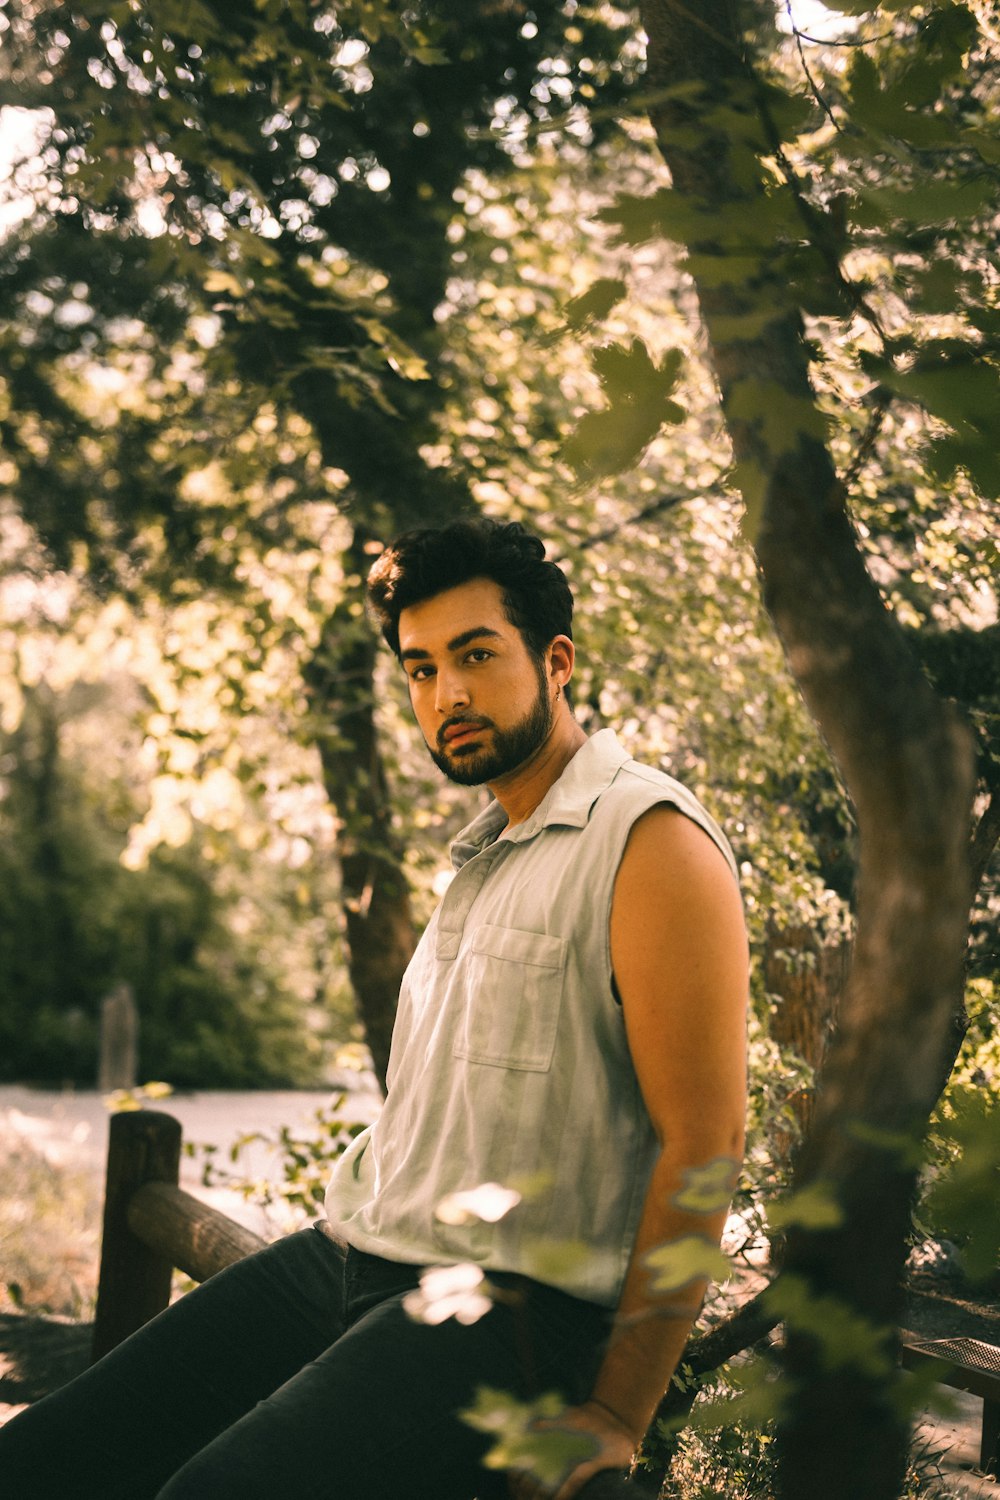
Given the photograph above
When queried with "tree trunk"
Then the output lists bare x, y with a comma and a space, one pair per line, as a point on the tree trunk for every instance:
376, 901
907, 763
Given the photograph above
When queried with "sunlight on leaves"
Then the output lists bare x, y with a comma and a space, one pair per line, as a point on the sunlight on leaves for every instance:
120, 1101
757, 1401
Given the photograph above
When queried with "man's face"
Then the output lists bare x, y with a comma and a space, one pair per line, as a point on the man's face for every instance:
483, 702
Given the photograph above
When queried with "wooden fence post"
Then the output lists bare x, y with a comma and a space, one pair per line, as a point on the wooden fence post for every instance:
118, 1062
143, 1146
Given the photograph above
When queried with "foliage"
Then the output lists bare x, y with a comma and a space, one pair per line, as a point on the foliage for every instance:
144, 1094
50, 1233
960, 1201
304, 1158
520, 1443
246, 600
74, 921
735, 1459
391, 336
269, 177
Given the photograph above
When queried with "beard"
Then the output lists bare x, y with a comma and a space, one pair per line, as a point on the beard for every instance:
472, 765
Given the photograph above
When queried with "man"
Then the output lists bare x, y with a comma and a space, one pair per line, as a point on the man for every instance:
569, 1042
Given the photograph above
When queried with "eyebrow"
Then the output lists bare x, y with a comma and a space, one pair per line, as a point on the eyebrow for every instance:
417, 653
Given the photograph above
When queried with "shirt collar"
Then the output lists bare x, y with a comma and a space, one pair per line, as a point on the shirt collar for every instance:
568, 801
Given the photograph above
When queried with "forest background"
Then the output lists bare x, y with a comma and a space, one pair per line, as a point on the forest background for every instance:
278, 281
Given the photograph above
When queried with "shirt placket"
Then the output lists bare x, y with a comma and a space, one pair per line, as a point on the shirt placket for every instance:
460, 898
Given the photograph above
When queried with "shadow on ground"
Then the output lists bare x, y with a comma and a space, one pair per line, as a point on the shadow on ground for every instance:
38, 1354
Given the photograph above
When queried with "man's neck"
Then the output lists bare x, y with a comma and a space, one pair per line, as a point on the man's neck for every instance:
522, 790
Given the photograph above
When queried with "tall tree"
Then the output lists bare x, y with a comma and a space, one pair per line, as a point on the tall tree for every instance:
287, 173
763, 250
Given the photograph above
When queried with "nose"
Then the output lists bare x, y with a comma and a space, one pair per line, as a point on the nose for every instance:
451, 693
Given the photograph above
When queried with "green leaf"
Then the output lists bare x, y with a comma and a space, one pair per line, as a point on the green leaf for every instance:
845, 1339
812, 1207
931, 205
546, 1452
985, 142
594, 304
679, 1262
707, 1189
964, 1203
978, 458
751, 481
553, 1260
627, 372
938, 287
640, 218
758, 1402
901, 1144
612, 441
780, 419
950, 383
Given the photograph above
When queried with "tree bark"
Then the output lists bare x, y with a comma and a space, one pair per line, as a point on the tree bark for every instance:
908, 765
375, 896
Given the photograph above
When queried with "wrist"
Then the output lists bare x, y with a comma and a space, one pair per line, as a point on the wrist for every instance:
628, 1428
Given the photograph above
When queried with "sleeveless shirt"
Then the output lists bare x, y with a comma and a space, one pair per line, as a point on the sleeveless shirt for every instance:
509, 1060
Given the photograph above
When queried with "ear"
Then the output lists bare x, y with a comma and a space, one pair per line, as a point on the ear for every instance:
561, 656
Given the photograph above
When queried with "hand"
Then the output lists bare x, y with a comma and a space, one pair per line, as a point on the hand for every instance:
613, 1448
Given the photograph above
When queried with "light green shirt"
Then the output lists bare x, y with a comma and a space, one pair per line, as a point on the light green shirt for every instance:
509, 1059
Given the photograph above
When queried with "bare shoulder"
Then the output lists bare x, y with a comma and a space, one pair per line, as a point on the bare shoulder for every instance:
681, 965
667, 849
677, 910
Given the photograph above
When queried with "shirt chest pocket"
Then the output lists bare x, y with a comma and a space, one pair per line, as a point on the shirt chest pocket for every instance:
513, 994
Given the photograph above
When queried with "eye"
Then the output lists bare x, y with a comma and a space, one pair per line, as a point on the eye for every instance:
479, 654
421, 674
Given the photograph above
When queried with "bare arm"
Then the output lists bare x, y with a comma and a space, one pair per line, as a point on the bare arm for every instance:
679, 953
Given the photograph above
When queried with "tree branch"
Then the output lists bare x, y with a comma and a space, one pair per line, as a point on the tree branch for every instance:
655, 508
985, 837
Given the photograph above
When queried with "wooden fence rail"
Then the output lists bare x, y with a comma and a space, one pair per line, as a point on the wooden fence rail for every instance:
151, 1225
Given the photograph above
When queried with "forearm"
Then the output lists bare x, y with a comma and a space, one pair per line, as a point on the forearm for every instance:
653, 1322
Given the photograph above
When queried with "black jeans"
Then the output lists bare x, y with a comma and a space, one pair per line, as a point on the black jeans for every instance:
297, 1373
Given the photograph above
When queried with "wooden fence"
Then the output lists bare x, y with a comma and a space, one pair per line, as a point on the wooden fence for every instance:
151, 1226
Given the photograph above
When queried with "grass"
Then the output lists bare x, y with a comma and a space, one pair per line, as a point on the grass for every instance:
50, 1225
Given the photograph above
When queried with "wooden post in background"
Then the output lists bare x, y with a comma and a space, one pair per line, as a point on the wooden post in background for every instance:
143, 1146
118, 1064
804, 978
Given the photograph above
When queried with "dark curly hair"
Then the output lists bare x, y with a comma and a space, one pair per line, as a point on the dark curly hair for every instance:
420, 564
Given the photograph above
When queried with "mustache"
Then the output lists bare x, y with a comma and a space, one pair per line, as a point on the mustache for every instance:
467, 721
